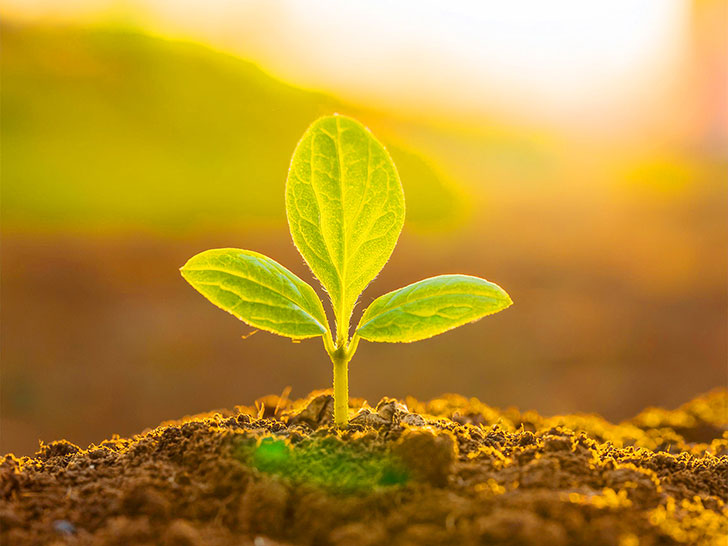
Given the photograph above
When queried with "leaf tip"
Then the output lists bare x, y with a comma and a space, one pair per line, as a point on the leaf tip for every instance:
184, 270
507, 299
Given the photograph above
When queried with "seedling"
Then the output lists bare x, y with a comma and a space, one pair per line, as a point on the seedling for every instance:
345, 208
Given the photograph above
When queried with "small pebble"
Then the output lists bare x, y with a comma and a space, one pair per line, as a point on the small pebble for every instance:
413, 420
64, 527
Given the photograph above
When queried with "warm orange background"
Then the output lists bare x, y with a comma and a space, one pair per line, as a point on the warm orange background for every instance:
598, 198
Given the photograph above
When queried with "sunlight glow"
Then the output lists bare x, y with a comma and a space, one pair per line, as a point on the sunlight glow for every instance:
525, 56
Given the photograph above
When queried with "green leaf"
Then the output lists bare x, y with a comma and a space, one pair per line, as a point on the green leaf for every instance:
345, 207
258, 291
430, 307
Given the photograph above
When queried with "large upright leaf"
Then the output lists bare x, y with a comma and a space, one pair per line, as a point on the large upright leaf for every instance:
258, 291
430, 307
345, 207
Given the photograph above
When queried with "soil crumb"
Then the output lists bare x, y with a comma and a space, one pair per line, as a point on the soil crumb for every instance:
449, 471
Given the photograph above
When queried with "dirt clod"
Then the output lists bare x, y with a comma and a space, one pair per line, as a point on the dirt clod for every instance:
181, 533
428, 456
449, 471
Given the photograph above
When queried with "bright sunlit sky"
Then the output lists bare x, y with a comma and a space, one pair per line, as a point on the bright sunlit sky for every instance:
530, 58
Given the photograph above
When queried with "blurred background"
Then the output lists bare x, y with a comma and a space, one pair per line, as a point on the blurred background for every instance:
574, 152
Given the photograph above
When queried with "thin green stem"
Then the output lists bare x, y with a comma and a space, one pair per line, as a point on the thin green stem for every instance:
340, 356
353, 344
329, 343
341, 390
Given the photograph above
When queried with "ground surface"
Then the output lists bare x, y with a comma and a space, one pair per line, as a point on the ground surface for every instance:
449, 471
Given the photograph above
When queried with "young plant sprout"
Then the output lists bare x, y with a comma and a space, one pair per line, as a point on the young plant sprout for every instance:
345, 208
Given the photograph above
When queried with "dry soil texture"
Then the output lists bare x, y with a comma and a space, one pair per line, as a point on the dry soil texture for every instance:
449, 471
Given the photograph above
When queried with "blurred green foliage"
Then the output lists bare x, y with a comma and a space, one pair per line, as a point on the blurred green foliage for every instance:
115, 129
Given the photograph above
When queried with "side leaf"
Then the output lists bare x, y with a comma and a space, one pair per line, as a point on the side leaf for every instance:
258, 291
345, 207
430, 307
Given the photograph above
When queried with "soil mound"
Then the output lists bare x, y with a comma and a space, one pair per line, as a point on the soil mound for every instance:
449, 471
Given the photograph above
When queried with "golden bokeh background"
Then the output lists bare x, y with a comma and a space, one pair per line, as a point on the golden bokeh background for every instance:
576, 155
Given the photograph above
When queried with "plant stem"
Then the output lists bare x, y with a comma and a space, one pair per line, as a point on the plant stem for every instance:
341, 388
340, 355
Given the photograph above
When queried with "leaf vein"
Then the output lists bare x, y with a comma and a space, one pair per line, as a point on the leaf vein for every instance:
254, 281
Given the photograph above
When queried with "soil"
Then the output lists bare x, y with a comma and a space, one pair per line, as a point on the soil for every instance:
449, 471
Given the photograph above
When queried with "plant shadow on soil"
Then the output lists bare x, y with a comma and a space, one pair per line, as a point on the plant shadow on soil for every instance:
449, 471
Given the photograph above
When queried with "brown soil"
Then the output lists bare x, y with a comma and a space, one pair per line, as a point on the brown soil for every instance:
449, 471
